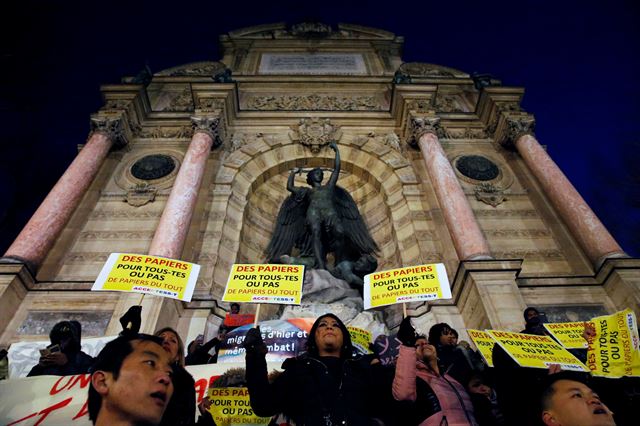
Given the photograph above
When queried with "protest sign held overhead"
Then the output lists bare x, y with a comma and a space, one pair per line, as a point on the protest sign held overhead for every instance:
265, 283
237, 320
569, 334
231, 406
154, 275
614, 351
484, 342
410, 284
530, 350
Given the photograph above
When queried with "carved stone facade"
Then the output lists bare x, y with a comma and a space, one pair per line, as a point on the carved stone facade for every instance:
264, 125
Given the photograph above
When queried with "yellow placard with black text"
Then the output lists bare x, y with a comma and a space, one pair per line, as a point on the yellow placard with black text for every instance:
265, 283
614, 351
411, 284
484, 342
568, 334
360, 339
530, 350
145, 274
230, 406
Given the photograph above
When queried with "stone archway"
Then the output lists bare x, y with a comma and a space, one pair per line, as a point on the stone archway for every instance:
255, 177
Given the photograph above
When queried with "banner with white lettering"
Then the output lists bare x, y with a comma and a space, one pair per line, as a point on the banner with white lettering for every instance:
54, 400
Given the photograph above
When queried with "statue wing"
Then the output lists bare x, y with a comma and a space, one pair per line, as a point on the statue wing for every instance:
290, 225
355, 228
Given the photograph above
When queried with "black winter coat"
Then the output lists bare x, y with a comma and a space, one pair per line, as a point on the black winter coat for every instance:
310, 395
181, 410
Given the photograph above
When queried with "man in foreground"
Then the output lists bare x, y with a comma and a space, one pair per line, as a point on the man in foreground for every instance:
130, 382
569, 402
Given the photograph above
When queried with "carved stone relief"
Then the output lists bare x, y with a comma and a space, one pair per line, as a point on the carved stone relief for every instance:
315, 133
489, 194
210, 104
423, 69
314, 102
181, 102
465, 133
140, 194
164, 132
204, 69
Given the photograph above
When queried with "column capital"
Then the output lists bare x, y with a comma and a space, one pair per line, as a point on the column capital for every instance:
419, 125
518, 125
208, 124
110, 126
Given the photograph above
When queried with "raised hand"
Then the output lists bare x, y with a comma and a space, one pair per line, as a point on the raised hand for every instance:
406, 333
253, 342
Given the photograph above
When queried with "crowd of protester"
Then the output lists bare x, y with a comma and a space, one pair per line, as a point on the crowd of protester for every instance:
436, 380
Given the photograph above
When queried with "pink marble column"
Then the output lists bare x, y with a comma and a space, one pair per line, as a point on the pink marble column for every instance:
469, 242
39, 235
585, 226
168, 240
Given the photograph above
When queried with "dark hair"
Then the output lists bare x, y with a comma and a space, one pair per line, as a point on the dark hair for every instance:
110, 359
455, 332
235, 304
346, 351
438, 330
548, 389
67, 329
526, 312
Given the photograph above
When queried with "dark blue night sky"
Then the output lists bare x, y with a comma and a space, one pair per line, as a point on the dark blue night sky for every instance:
578, 64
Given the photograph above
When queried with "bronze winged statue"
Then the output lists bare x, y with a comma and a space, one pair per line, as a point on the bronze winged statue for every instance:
322, 219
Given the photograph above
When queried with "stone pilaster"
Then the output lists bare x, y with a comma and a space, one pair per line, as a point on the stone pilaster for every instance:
39, 235
585, 226
463, 227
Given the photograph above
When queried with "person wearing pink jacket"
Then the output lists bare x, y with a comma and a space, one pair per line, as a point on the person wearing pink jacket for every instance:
439, 399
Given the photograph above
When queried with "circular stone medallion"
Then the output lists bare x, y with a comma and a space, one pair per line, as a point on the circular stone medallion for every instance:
152, 167
477, 167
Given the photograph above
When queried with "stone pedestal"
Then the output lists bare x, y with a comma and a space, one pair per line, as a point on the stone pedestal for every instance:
15, 279
622, 283
323, 293
487, 295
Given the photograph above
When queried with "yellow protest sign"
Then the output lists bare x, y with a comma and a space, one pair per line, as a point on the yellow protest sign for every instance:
530, 350
569, 334
154, 275
230, 406
265, 283
361, 339
410, 284
614, 351
484, 342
